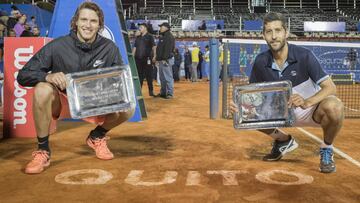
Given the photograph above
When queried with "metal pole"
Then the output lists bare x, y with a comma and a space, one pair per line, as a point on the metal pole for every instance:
318, 3
225, 80
214, 78
240, 24
337, 5
289, 28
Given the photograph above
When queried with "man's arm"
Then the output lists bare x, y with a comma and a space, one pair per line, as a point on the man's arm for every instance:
154, 53
37, 68
133, 51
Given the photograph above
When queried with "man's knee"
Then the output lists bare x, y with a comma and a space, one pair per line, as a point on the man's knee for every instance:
333, 109
43, 92
120, 117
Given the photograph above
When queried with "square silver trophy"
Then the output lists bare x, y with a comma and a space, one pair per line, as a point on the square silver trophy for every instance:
263, 105
100, 91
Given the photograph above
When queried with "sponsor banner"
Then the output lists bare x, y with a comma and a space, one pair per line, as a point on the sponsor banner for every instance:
206, 25
253, 25
323, 26
335, 58
18, 115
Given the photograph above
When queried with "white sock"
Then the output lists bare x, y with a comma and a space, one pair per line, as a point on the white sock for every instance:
323, 145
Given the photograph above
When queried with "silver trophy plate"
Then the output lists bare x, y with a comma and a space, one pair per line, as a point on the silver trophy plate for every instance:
263, 105
100, 91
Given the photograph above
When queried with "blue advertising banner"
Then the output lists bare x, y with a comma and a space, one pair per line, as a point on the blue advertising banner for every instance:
358, 26
335, 58
196, 25
60, 25
323, 26
253, 25
134, 24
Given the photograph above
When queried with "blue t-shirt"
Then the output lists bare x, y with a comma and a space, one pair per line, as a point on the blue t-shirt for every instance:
301, 67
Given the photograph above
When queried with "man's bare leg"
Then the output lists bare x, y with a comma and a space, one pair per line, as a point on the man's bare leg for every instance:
46, 103
330, 115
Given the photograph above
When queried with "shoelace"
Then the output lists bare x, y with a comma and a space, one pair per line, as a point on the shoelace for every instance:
40, 156
326, 154
275, 145
101, 143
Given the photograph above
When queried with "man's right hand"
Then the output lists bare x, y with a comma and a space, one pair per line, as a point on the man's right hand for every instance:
57, 79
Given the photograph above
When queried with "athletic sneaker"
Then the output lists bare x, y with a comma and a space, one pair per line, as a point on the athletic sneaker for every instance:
41, 159
100, 147
327, 164
280, 149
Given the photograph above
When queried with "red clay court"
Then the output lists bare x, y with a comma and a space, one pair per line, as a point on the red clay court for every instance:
179, 155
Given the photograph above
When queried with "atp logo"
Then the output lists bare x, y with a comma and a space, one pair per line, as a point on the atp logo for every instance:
107, 33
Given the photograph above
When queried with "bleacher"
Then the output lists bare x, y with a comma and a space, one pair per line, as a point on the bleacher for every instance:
234, 16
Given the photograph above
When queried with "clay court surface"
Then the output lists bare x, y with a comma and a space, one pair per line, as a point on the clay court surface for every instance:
179, 155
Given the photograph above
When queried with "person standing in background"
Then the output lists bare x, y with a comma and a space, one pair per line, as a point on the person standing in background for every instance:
199, 66
143, 48
165, 58
187, 63
207, 61
20, 26
32, 23
176, 66
352, 57
195, 61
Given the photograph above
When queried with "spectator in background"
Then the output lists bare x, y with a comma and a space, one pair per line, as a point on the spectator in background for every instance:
243, 60
4, 17
165, 58
14, 10
11, 33
207, 62
36, 32
202, 26
195, 61
20, 25
352, 57
199, 66
177, 63
3, 33
13, 18
150, 28
187, 63
32, 23
143, 48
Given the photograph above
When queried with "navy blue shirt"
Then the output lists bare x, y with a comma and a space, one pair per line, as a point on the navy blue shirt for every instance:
301, 67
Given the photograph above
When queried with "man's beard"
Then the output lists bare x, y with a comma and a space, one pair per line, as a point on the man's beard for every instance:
282, 45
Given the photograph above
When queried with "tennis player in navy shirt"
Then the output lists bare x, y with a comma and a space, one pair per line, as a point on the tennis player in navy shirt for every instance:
313, 99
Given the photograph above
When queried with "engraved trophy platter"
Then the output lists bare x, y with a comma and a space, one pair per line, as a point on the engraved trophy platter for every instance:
100, 91
263, 105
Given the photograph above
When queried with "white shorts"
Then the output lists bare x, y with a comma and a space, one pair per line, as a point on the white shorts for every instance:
304, 117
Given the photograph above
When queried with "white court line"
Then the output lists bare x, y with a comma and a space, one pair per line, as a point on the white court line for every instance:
336, 150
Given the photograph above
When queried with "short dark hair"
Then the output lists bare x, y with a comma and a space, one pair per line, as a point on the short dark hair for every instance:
272, 16
32, 17
91, 6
